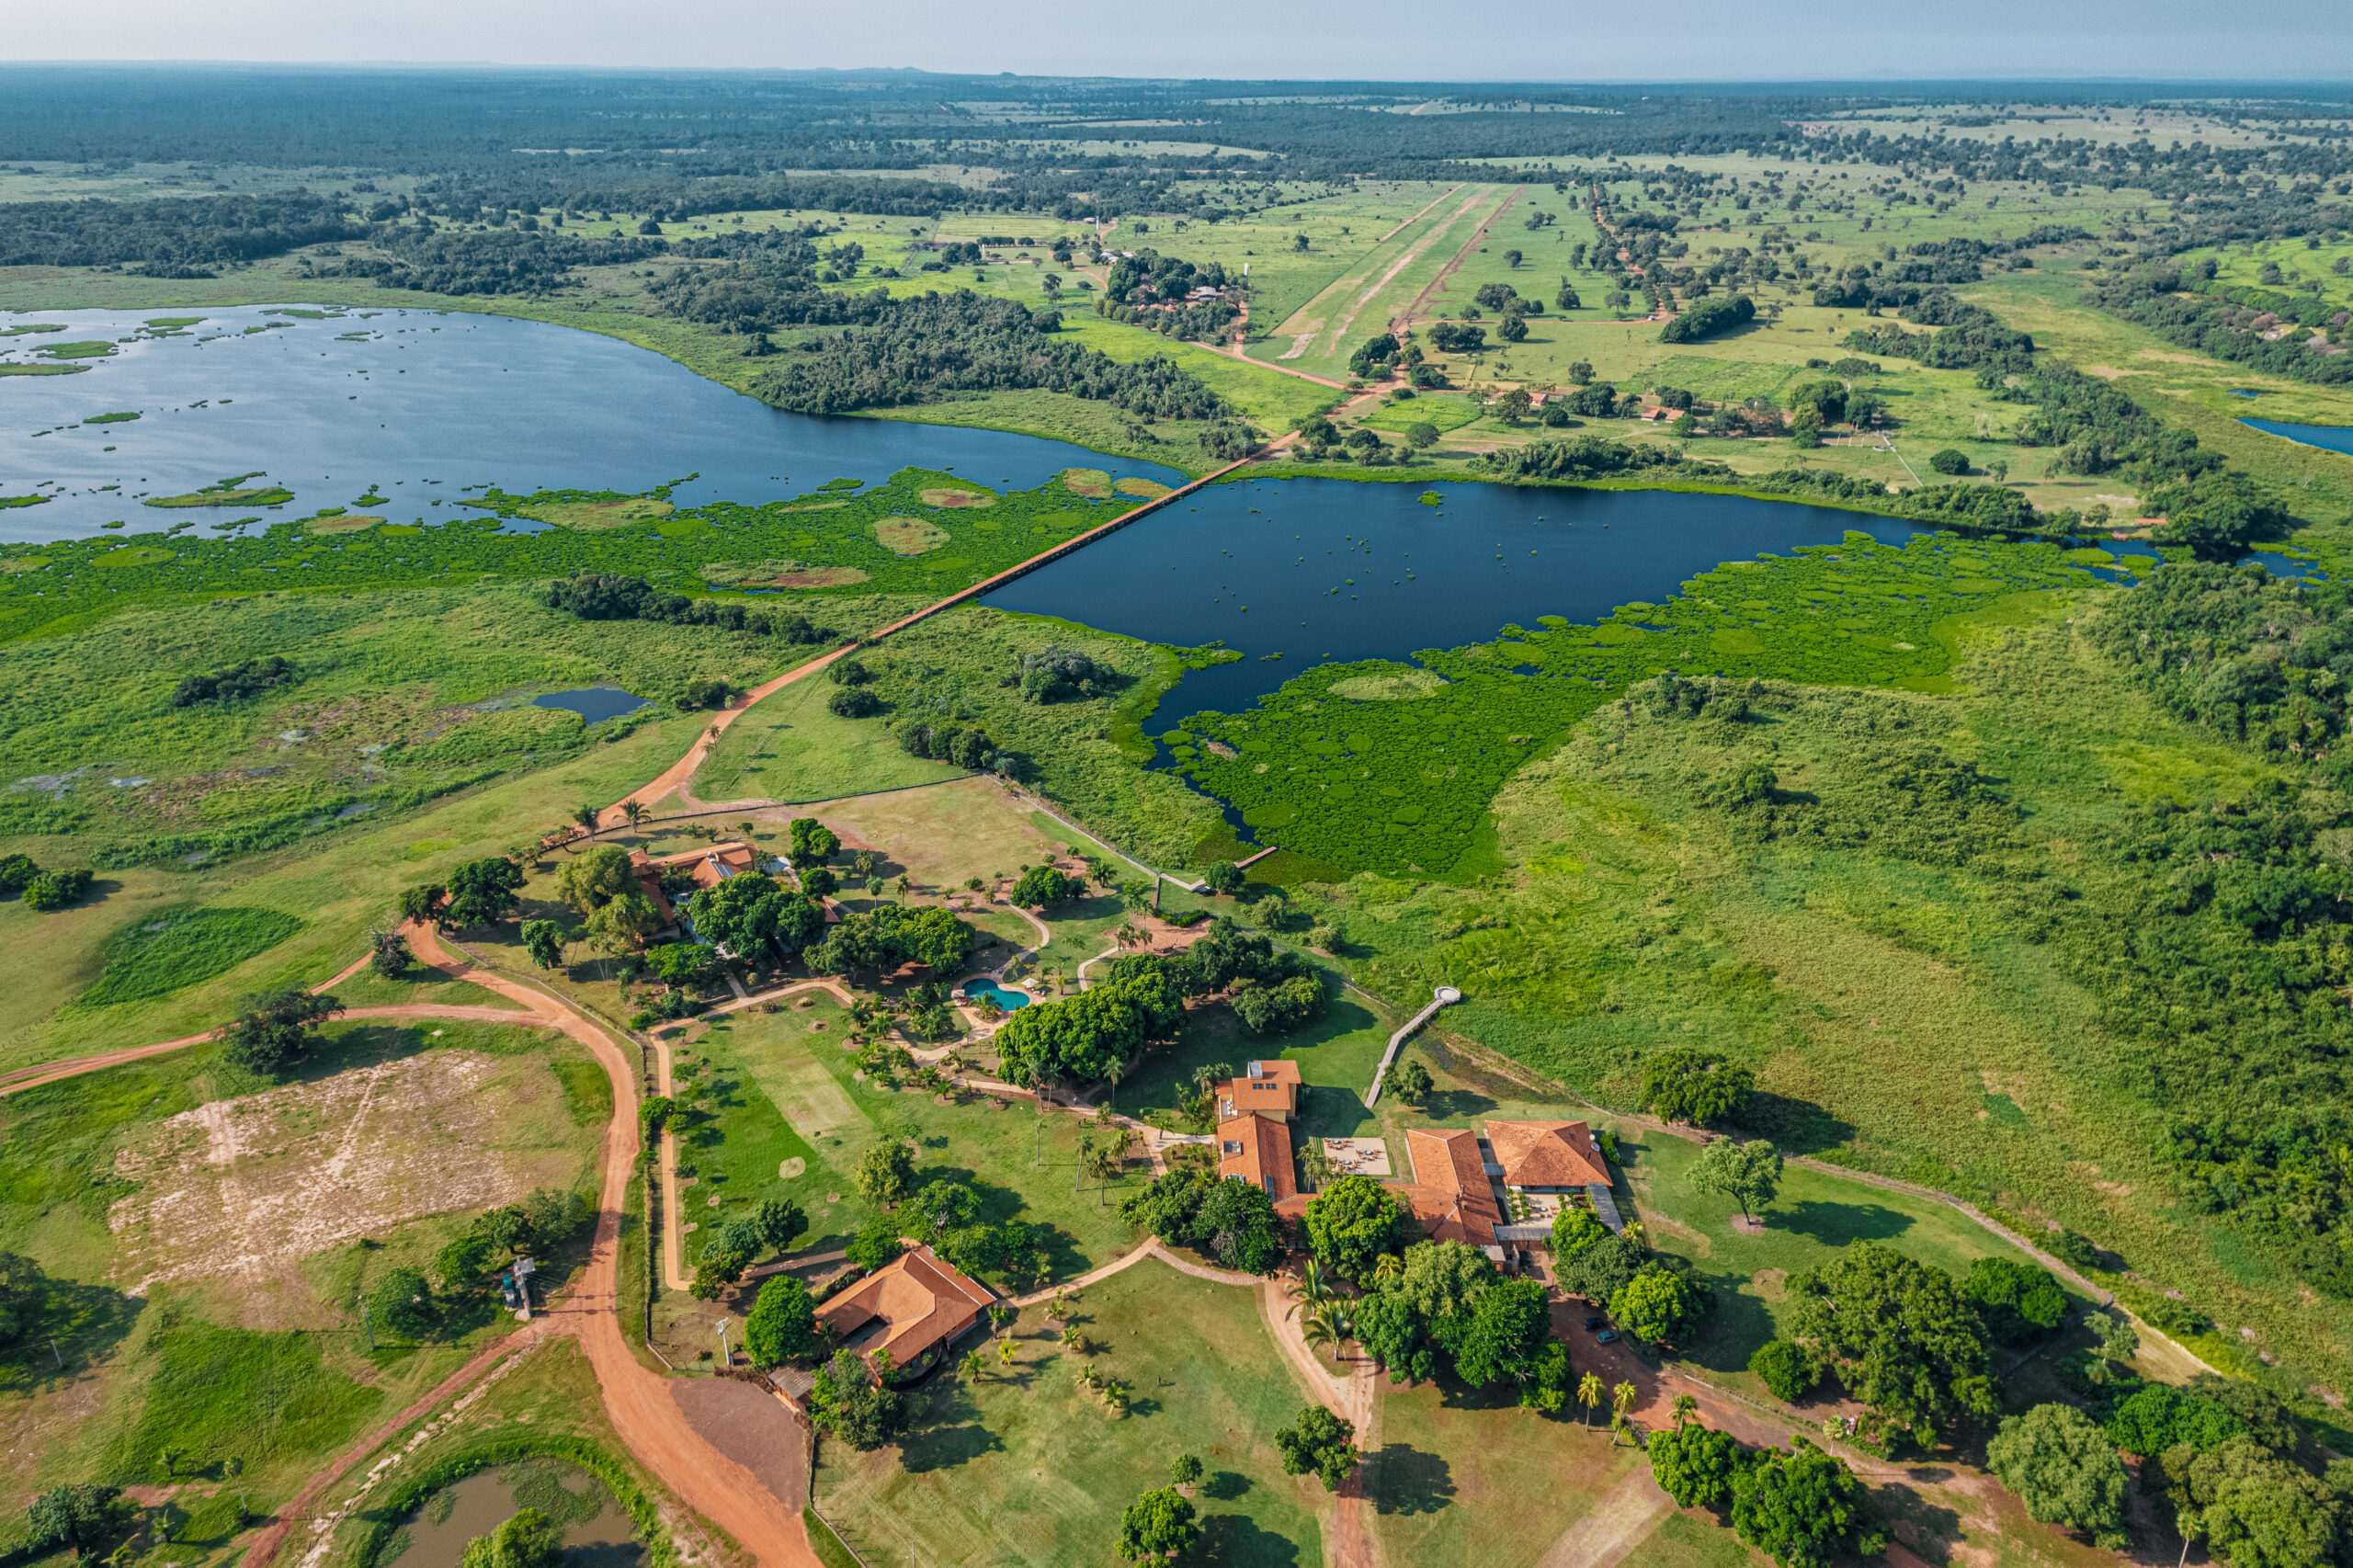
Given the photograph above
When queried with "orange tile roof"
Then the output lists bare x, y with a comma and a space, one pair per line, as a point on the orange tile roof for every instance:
920, 1298
1548, 1154
709, 867
1450, 1195
1257, 1149
1265, 1088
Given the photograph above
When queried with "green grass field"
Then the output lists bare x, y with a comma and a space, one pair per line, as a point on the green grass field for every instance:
1025, 1467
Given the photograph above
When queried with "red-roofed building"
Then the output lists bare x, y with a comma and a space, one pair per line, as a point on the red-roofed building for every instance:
1450, 1194
1257, 1149
1265, 1088
1547, 1156
919, 1301
708, 867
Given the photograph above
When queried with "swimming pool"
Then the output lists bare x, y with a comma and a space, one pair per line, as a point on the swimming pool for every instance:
1010, 1000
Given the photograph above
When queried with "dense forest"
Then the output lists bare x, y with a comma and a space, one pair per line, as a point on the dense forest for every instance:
2244, 326
918, 349
172, 234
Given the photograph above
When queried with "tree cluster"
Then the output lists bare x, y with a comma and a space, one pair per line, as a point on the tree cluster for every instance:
249, 679
1233, 1221
1448, 1310
882, 939
598, 595
178, 236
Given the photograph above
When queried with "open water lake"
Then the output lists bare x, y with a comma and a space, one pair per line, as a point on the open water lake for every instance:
426, 406
2329, 437
1316, 570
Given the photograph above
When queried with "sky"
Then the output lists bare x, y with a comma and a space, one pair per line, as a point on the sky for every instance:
1466, 41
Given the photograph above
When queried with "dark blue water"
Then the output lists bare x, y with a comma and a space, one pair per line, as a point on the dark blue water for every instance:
2329, 437
2241, 392
427, 407
1323, 569
594, 703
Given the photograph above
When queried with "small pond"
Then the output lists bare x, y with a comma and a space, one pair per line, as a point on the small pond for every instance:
2328, 437
1005, 997
596, 1531
594, 703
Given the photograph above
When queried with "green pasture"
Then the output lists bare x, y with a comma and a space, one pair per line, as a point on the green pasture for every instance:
1025, 1466
789, 747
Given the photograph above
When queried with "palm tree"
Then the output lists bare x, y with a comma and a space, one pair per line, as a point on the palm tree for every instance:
588, 817
1387, 1268
1314, 1289
1686, 1409
1005, 1351
1621, 1404
1329, 1326
635, 812
1073, 1340
974, 1363
1589, 1392
1126, 934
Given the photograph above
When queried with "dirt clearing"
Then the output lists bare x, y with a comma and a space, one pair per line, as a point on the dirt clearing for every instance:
249, 1186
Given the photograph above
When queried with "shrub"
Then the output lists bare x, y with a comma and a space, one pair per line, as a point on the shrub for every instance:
1785, 1369
1706, 319
853, 702
50, 891
1950, 460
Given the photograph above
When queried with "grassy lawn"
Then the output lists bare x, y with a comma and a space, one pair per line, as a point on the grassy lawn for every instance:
1025, 1467
1336, 1054
1472, 1478
1814, 1217
789, 748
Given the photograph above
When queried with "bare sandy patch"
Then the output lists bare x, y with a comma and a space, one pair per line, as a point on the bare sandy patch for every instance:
346, 525
778, 574
909, 535
250, 1186
953, 498
1145, 489
1093, 482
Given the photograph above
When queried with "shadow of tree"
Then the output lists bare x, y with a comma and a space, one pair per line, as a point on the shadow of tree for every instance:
1238, 1539
1835, 1224
1795, 1126
1413, 1482
1225, 1485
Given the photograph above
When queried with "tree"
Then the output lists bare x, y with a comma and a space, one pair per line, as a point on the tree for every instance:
423, 904
2063, 1469
2258, 1510
886, 1175
1185, 1469
1573, 1230
1237, 1223
485, 891
1158, 1524
782, 1324
1513, 405
850, 1403
1328, 1326
1785, 1369
48, 892
1688, 1085
402, 1302
1603, 1269
1224, 877
275, 1028
623, 924
1694, 1465
544, 939
747, 913
1353, 1221
1086, 1036
1280, 1007
1319, 1443
1748, 1173
389, 955
1421, 435
812, 842
2017, 1299
1410, 1081
1655, 1304
1505, 1337
1041, 885
876, 1243
529, 1540
597, 877
1900, 1336
77, 1516
1950, 460
1802, 1508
